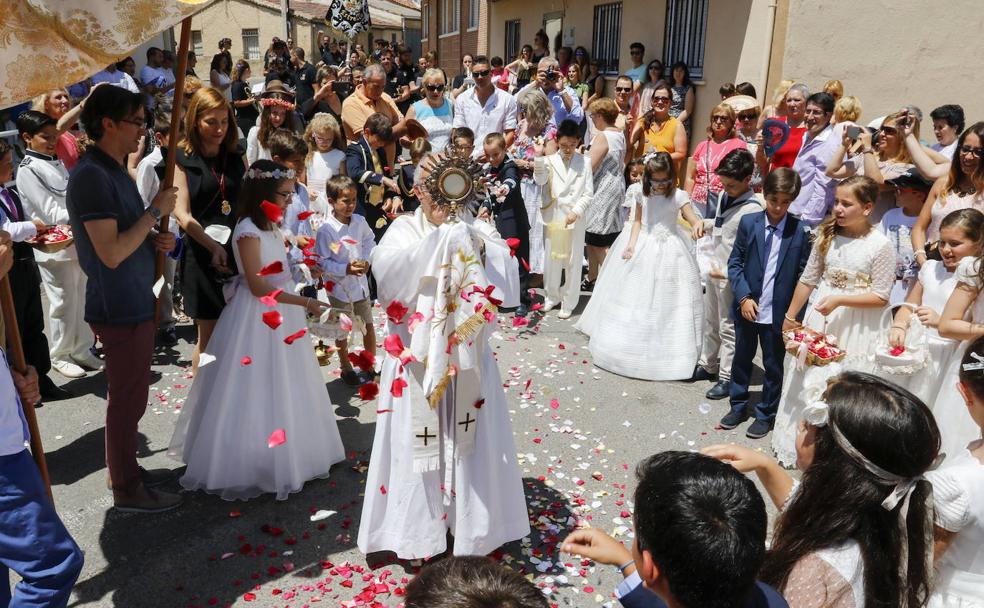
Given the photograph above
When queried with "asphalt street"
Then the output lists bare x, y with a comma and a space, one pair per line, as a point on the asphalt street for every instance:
578, 431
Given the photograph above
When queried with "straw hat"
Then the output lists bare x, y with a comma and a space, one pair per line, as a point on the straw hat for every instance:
740, 103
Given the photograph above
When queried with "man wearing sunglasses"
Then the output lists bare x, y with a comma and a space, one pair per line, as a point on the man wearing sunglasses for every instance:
637, 51
485, 108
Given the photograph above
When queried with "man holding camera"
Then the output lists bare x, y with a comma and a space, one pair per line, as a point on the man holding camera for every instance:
485, 108
552, 82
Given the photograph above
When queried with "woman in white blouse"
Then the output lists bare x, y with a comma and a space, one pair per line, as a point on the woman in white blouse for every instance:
855, 531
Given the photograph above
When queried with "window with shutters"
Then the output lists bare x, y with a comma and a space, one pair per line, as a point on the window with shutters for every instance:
513, 41
607, 36
196, 42
425, 21
686, 34
450, 16
473, 9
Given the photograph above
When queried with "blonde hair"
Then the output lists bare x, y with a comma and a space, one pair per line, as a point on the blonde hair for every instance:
779, 93
39, 102
835, 88
536, 108
732, 116
847, 109
321, 122
192, 85
903, 156
205, 100
432, 73
865, 190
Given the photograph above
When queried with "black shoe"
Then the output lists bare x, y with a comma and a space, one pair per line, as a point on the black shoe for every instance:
587, 285
151, 478
522, 310
169, 337
721, 390
733, 419
51, 391
758, 429
702, 374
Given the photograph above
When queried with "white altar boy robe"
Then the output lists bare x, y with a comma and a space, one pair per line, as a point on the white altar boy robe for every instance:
568, 187
477, 496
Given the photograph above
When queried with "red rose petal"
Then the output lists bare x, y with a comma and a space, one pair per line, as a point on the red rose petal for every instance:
294, 336
382, 489
270, 299
368, 391
273, 319
276, 438
303, 215
271, 268
396, 389
246, 360
395, 312
554, 404
273, 212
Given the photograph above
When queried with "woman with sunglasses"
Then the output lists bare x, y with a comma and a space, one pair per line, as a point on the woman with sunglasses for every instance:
644, 87
882, 159
962, 188
434, 111
657, 130
721, 139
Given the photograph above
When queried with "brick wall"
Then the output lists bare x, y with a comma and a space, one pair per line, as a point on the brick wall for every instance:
451, 47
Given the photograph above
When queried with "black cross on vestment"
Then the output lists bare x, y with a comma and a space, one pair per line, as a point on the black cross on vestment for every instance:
467, 421
426, 436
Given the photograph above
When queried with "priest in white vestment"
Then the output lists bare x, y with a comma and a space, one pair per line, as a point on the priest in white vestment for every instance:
443, 457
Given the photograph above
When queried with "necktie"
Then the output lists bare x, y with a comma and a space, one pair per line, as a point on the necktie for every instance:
770, 232
8, 202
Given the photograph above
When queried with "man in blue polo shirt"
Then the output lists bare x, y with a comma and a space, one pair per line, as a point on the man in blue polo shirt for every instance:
117, 240
700, 538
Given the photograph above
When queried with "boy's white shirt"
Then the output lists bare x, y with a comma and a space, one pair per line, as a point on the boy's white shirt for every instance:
42, 185
572, 185
348, 288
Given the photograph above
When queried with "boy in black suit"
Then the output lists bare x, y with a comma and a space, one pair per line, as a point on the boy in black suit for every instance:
770, 252
505, 204
365, 163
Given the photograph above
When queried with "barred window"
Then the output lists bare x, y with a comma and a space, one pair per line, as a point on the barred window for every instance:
473, 10
196, 42
607, 36
450, 16
685, 35
251, 44
425, 22
513, 43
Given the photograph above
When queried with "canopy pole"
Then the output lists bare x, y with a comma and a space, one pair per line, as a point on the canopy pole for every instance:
177, 108
15, 350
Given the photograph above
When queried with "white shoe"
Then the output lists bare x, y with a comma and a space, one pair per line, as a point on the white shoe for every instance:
90, 361
549, 305
564, 314
68, 369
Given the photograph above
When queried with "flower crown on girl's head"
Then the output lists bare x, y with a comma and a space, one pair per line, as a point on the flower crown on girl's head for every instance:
275, 174
273, 101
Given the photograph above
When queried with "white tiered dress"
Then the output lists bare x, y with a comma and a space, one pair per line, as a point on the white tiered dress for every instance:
852, 266
645, 315
958, 498
957, 428
233, 407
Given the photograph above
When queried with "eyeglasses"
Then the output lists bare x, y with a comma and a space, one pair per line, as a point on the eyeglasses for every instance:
660, 183
434, 88
623, 89
636, 53
579, 54
660, 99
286, 194
481, 73
889, 130
975, 152
749, 116
658, 68
717, 119
137, 122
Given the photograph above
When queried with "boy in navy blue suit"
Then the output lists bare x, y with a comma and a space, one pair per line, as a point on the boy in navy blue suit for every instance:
770, 252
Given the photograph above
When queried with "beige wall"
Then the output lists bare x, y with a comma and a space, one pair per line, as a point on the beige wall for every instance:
735, 47
890, 52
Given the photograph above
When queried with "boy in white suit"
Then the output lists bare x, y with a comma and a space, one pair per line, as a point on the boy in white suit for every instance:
569, 186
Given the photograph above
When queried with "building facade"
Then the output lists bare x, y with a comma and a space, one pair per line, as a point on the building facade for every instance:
888, 53
452, 28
